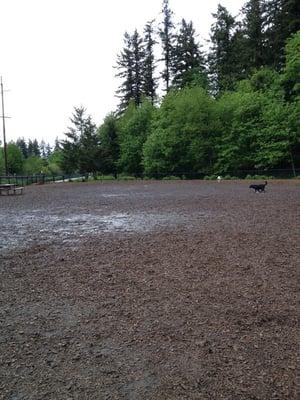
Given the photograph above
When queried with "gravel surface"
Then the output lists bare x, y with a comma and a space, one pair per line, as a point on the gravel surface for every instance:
150, 290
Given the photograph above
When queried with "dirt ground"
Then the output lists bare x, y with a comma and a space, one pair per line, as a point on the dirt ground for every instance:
150, 290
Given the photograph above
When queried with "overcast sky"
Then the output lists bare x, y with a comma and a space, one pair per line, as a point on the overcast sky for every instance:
57, 54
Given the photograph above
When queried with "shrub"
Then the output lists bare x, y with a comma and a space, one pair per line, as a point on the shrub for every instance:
171, 178
210, 177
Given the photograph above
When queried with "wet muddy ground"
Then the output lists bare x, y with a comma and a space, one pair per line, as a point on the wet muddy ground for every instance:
150, 290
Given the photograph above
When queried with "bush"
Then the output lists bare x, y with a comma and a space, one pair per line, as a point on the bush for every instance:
171, 178
127, 178
259, 177
106, 177
230, 178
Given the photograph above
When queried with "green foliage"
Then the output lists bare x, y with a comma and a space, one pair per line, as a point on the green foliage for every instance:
53, 164
134, 129
2, 163
230, 178
259, 177
124, 177
282, 20
106, 177
253, 39
81, 150
187, 60
89, 154
171, 178
149, 83
258, 128
250, 119
291, 76
221, 56
109, 144
33, 165
266, 80
21, 143
33, 148
14, 159
167, 38
182, 134
131, 65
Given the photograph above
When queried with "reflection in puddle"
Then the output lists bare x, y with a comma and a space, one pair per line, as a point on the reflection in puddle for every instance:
38, 227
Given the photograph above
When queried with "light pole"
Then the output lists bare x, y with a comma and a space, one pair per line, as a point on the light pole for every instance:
4, 137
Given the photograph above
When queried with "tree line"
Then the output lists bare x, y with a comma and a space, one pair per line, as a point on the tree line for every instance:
235, 106
28, 157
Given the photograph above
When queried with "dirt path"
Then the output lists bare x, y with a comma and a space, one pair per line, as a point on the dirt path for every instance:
150, 290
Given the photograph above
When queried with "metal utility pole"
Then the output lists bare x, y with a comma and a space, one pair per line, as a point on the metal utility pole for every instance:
4, 137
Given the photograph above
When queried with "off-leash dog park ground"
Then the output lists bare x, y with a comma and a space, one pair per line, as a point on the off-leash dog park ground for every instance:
150, 290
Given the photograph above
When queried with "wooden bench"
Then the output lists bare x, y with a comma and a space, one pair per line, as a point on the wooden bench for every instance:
18, 189
10, 189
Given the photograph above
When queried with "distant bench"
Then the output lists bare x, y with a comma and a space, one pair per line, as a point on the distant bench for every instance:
10, 189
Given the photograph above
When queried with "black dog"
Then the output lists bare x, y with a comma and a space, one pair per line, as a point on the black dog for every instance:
259, 188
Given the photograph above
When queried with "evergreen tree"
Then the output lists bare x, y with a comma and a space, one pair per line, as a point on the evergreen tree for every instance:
273, 34
149, 81
43, 150
30, 148
126, 73
21, 143
167, 38
130, 65
57, 145
187, 60
36, 148
81, 151
282, 20
48, 150
253, 35
89, 158
70, 146
291, 17
221, 56
138, 67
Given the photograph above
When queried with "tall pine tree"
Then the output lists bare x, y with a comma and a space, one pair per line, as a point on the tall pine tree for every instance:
138, 67
167, 38
187, 60
149, 80
282, 20
130, 66
21, 143
221, 55
89, 157
70, 145
126, 73
252, 28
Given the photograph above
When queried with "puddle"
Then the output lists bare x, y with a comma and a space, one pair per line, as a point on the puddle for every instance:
45, 228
